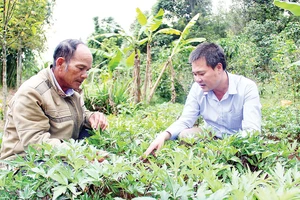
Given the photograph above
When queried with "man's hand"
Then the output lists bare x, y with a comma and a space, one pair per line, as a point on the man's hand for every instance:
157, 143
98, 120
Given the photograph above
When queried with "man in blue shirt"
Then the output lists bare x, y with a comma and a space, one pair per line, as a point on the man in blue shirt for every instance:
228, 103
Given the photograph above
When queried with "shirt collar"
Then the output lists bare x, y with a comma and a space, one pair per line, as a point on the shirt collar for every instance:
232, 84
231, 88
69, 91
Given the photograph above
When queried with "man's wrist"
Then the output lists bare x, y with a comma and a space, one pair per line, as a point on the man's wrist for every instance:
166, 135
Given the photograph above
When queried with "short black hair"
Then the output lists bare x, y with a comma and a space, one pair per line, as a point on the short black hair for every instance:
212, 53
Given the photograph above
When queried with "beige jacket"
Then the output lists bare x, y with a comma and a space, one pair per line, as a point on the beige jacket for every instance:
40, 113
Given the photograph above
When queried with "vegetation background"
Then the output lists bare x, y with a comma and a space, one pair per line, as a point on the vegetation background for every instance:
140, 81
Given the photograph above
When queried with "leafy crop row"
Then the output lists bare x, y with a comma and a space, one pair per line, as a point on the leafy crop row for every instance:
260, 166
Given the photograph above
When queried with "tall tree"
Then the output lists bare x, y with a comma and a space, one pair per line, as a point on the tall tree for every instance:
28, 31
7, 13
22, 28
180, 12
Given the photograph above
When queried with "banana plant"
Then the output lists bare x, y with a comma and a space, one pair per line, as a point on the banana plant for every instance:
131, 53
149, 26
179, 45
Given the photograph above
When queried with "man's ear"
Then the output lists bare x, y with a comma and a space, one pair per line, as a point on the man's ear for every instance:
60, 61
219, 66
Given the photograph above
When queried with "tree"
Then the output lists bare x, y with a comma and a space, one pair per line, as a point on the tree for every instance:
294, 8
7, 13
180, 12
244, 11
22, 28
28, 30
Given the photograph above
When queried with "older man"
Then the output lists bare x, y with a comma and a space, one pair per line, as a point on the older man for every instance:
48, 108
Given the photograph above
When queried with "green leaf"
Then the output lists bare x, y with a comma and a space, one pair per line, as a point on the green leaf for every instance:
293, 7
73, 189
130, 60
59, 178
191, 23
157, 20
26, 193
143, 41
115, 61
100, 52
184, 34
159, 14
188, 41
168, 31
236, 159
295, 63
155, 24
33, 29
59, 190
143, 198
142, 19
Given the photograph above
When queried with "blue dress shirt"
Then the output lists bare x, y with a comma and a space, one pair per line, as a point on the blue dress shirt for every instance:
238, 110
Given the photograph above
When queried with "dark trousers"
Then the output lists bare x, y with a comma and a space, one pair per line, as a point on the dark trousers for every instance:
84, 133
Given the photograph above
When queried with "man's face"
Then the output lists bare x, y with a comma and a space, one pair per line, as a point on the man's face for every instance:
205, 76
77, 69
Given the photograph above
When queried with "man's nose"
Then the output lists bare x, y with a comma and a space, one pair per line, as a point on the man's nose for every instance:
198, 78
84, 74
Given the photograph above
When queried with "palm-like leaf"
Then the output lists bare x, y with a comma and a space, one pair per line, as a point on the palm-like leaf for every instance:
293, 7
184, 34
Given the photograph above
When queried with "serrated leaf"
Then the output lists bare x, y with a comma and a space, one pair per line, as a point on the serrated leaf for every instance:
59, 178
73, 189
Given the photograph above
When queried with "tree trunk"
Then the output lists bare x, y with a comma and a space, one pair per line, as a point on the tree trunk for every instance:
173, 94
19, 66
4, 74
147, 81
158, 80
137, 78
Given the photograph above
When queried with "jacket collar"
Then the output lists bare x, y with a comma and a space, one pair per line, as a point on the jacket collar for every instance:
68, 93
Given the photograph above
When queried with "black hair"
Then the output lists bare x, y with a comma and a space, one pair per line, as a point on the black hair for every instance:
212, 53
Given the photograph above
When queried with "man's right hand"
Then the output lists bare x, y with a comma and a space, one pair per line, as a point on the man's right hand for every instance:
157, 143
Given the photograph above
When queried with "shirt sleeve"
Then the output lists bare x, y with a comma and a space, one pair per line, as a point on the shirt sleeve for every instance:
251, 109
190, 114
